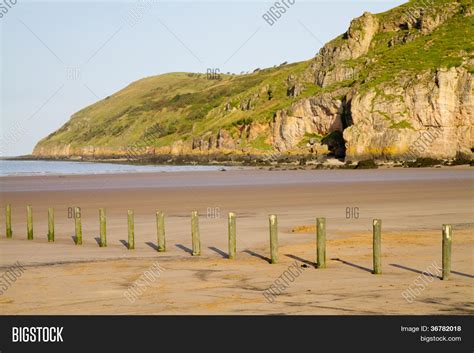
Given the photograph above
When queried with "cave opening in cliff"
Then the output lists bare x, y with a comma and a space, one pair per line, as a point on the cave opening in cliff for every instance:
336, 144
335, 140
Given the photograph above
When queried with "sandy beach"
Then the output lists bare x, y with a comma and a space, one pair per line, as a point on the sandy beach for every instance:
62, 278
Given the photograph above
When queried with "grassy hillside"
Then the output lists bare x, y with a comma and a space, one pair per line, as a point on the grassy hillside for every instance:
176, 106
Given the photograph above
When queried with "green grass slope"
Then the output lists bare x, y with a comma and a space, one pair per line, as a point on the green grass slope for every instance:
174, 106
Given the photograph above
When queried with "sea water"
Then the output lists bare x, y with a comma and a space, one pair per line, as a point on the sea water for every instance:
20, 168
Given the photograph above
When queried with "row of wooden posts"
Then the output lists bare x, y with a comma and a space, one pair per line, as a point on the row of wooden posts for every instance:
232, 231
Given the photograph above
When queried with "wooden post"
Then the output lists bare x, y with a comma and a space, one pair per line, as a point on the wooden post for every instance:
8, 221
273, 239
131, 231
78, 224
160, 231
50, 225
103, 228
447, 239
232, 235
29, 222
321, 242
195, 233
377, 246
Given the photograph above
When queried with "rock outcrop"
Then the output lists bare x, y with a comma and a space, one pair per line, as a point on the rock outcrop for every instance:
316, 115
387, 120
354, 43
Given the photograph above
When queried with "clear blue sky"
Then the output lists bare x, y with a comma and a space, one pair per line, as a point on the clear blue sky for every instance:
58, 57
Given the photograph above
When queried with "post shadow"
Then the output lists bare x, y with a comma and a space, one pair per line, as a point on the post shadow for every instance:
353, 265
74, 239
297, 258
219, 251
97, 239
124, 242
184, 248
416, 271
462, 274
254, 254
152, 245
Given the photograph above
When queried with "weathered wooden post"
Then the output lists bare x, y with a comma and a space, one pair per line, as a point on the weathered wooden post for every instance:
447, 239
232, 235
8, 221
29, 222
195, 233
377, 246
50, 225
160, 231
78, 225
103, 228
273, 239
131, 231
321, 242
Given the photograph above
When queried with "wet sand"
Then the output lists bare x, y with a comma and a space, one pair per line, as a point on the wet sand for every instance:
63, 278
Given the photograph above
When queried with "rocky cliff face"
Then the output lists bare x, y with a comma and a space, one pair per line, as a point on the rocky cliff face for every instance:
377, 91
319, 115
385, 124
329, 67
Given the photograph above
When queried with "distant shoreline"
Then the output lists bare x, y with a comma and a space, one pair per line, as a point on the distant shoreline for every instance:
303, 162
